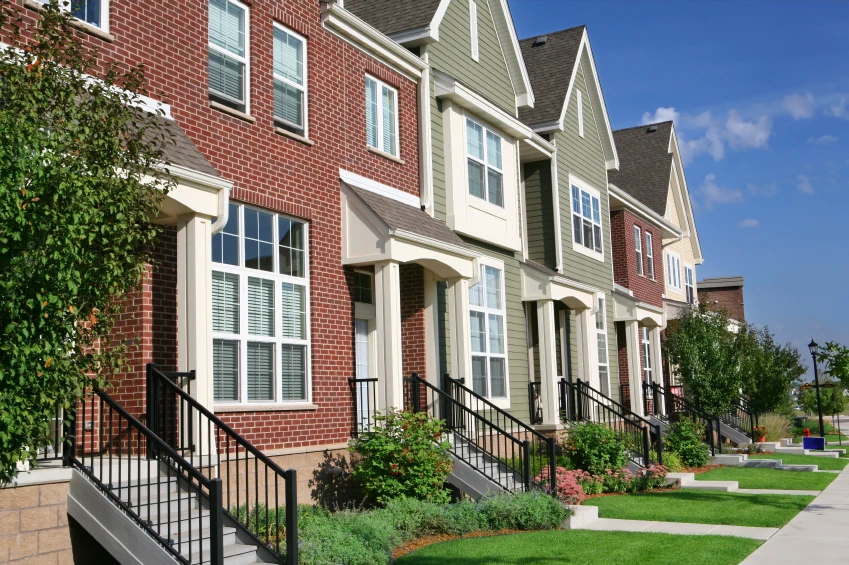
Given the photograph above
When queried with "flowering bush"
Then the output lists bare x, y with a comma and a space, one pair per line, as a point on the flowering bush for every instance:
567, 485
592, 484
652, 477
620, 480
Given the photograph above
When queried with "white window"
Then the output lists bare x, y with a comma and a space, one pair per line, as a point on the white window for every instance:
688, 284
473, 27
638, 249
673, 271
601, 334
229, 61
489, 342
649, 256
586, 218
260, 309
647, 363
92, 12
381, 116
290, 80
485, 168
579, 98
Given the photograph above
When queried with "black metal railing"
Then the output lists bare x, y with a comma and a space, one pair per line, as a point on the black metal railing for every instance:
501, 447
53, 445
579, 402
363, 405
741, 418
535, 403
669, 406
252, 485
161, 495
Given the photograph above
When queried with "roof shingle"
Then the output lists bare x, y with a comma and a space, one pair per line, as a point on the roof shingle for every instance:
645, 163
394, 16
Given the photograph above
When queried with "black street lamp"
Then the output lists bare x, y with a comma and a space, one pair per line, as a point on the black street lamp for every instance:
815, 351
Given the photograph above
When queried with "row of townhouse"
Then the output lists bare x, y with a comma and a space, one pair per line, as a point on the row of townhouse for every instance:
369, 189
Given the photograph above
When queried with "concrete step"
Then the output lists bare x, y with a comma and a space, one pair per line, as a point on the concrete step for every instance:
152, 509
728, 459
196, 542
688, 480
236, 554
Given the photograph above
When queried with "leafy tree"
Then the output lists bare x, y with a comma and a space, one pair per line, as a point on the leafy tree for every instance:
835, 357
708, 358
833, 399
80, 178
770, 370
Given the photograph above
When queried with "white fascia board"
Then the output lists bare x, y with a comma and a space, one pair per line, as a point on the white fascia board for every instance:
512, 54
416, 37
363, 36
448, 88
541, 145
682, 178
379, 188
194, 177
435, 243
548, 127
642, 210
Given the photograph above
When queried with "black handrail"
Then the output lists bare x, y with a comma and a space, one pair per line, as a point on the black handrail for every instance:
177, 417
741, 418
501, 447
534, 412
581, 402
52, 446
675, 406
363, 405
114, 438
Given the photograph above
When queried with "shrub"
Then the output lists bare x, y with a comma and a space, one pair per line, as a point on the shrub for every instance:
652, 477
685, 439
521, 511
414, 518
592, 484
594, 448
672, 462
325, 539
567, 487
406, 455
620, 480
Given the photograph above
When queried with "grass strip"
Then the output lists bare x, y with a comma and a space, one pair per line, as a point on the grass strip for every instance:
824, 463
748, 477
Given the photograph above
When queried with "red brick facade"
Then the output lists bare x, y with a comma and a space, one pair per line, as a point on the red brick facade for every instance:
276, 172
625, 273
729, 300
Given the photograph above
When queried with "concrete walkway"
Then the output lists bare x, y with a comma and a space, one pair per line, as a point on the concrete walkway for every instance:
818, 534
611, 524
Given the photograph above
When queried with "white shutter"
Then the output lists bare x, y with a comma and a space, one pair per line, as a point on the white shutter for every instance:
293, 372
225, 302
260, 307
225, 369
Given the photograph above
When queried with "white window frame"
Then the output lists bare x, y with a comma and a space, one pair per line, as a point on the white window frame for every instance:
673, 271
601, 333
650, 255
500, 401
246, 59
485, 162
303, 88
689, 283
65, 6
579, 108
593, 193
380, 125
243, 337
648, 362
473, 29
638, 249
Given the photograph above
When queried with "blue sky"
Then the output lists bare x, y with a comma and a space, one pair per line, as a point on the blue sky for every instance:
760, 96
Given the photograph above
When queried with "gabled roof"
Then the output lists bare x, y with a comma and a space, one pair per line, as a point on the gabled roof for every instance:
552, 61
645, 164
395, 16
183, 152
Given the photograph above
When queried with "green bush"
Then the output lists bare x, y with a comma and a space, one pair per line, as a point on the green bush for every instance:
325, 539
406, 455
415, 518
522, 511
672, 461
685, 440
594, 448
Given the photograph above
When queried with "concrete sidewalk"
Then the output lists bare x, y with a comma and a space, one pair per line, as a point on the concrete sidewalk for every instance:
818, 534
616, 525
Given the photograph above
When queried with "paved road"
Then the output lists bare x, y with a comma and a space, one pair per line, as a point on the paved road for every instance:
819, 534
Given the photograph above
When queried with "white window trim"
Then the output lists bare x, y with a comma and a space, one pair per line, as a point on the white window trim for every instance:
363, 309
692, 283
380, 86
244, 336
246, 59
473, 29
650, 255
65, 6
499, 401
484, 163
579, 248
673, 271
579, 108
646, 346
638, 250
303, 88
601, 314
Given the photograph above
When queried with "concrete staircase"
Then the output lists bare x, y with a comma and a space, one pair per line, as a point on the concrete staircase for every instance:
742, 460
477, 473
733, 434
688, 480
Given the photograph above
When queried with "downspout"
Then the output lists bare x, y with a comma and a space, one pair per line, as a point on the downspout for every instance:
425, 140
223, 210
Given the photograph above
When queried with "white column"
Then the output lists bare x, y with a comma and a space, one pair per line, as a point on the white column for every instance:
431, 328
635, 375
548, 363
586, 340
657, 362
459, 332
390, 384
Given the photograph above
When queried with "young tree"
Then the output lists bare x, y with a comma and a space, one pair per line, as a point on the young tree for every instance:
707, 357
835, 358
80, 179
833, 399
769, 370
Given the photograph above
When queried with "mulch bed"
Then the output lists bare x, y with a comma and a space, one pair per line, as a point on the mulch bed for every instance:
704, 469
419, 543
604, 494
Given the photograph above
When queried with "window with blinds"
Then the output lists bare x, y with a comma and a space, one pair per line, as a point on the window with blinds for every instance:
290, 80
92, 12
228, 53
381, 116
260, 309
488, 339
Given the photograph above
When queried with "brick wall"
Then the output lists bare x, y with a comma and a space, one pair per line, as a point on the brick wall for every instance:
622, 354
34, 525
729, 300
413, 321
648, 290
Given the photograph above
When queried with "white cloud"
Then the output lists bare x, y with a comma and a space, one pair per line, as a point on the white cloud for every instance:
804, 184
712, 194
822, 140
744, 135
799, 106
749, 223
839, 110
763, 189
661, 115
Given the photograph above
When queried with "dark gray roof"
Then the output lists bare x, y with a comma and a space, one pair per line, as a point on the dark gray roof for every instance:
183, 152
394, 16
400, 216
720, 282
645, 163
549, 68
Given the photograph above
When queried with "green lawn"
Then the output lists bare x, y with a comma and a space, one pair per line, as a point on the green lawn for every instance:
703, 507
824, 463
769, 478
828, 437
578, 547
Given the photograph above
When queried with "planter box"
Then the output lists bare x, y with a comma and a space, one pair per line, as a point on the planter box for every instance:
816, 443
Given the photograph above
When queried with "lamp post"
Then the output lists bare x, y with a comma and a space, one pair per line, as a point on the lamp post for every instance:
815, 350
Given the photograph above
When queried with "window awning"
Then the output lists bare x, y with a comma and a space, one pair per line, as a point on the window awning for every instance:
627, 308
